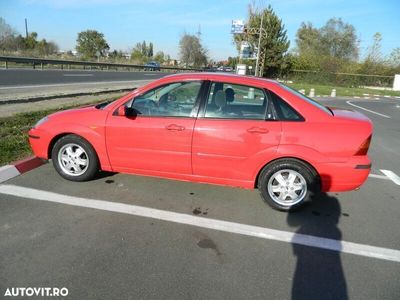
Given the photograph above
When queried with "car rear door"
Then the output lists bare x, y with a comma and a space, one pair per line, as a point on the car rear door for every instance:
158, 139
235, 134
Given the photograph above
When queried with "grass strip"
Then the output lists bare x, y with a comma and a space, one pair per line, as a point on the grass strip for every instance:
325, 90
14, 143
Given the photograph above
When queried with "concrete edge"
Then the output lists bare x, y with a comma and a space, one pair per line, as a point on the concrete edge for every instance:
41, 98
19, 167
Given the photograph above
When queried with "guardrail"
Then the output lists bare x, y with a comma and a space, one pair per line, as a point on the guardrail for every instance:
41, 63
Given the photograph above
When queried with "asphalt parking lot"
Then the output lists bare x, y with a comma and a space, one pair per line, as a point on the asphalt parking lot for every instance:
167, 240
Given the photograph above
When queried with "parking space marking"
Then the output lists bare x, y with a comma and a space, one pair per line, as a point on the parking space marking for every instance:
214, 224
371, 111
392, 176
77, 75
379, 176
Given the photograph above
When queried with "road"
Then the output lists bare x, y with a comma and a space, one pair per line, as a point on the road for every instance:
28, 77
18, 86
110, 250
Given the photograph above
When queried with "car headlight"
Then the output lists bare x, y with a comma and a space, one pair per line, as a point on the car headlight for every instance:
41, 121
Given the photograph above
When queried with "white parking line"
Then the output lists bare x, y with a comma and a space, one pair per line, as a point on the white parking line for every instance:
379, 176
77, 75
248, 230
371, 111
392, 176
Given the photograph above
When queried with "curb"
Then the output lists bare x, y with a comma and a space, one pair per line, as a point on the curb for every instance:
19, 167
41, 98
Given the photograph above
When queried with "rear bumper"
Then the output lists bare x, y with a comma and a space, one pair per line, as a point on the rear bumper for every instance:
39, 141
344, 176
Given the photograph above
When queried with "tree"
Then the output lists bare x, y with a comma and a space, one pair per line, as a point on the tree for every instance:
339, 40
191, 52
394, 58
159, 57
374, 54
115, 55
327, 47
30, 41
142, 52
308, 40
373, 62
6, 30
9, 41
91, 44
274, 41
144, 48
46, 48
150, 50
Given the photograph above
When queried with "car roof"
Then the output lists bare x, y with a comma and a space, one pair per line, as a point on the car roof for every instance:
220, 76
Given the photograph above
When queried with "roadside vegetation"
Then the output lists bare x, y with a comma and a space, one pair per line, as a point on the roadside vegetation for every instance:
14, 143
328, 56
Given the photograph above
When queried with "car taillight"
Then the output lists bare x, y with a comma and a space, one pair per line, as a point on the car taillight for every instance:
364, 147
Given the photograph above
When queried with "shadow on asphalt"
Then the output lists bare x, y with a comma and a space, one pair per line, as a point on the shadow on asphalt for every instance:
104, 174
319, 273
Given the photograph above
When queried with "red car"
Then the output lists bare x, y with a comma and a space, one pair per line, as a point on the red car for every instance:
214, 128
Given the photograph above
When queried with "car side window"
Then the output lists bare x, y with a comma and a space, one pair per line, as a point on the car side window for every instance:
283, 110
233, 101
173, 100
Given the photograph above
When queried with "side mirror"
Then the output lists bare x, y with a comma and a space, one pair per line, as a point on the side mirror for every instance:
130, 112
124, 111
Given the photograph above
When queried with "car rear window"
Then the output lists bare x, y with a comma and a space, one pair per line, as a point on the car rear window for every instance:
283, 110
305, 98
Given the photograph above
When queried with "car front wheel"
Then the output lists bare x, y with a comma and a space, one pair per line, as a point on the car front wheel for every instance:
288, 184
74, 158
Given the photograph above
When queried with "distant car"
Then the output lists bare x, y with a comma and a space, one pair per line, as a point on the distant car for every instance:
214, 128
228, 69
152, 66
209, 69
225, 69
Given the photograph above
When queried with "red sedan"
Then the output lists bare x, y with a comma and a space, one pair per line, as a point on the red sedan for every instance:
214, 128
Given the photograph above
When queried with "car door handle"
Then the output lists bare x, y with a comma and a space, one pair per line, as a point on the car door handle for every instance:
174, 127
257, 130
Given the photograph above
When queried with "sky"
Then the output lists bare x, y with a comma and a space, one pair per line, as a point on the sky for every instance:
127, 22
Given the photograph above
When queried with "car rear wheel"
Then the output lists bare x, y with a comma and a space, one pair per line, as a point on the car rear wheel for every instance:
288, 184
74, 158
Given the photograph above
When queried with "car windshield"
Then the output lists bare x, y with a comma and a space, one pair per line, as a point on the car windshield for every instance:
309, 100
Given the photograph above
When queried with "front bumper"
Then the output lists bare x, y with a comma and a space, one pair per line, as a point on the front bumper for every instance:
39, 141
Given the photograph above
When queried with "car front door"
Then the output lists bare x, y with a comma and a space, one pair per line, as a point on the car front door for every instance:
235, 134
158, 137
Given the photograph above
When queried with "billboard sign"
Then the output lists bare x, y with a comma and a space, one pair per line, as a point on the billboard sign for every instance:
245, 50
237, 26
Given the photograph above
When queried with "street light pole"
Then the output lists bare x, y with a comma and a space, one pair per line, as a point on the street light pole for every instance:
26, 28
259, 44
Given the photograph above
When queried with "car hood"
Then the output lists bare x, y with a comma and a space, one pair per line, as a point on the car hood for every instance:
72, 111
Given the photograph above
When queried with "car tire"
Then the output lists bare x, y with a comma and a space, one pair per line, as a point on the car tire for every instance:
74, 158
288, 184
